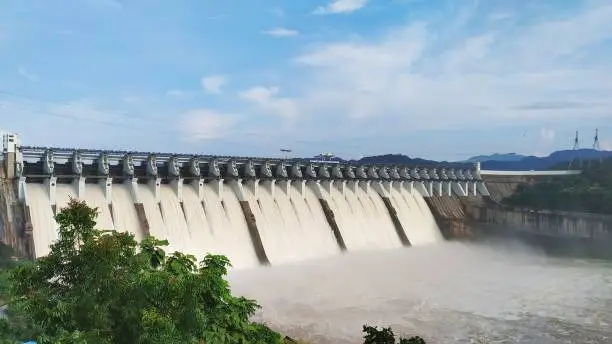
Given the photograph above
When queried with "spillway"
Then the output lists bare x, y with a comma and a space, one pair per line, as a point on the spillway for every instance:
418, 222
42, 218
362, 218
125, 217
292, 226
254, 211
94, 197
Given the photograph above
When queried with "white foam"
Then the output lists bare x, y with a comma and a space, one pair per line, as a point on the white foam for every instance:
175, 222
44, 228
94, 197
363, 219
125, 217
291, 230
446, 293
418, 223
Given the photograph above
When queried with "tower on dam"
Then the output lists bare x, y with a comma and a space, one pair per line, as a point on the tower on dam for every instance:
253, 210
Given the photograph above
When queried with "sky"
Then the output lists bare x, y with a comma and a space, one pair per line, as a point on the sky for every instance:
439, 79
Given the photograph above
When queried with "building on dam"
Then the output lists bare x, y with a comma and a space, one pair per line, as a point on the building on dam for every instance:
253, 210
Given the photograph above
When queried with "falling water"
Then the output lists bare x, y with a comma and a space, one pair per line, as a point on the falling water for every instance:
363, 219
63, 194
157, 227
175, 221
228, 227
198, 224
416, 222
290, 232
124, 213
94, 197
41, 213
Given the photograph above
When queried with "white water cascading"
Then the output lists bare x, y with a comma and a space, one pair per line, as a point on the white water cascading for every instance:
94, 197
41, 215
292, 226
125, 217
157, 226
229, 226
418, 222
175, 223
290, 220
363, 218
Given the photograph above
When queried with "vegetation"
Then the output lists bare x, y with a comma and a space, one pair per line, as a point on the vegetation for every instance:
386, 336
103, 287
97, 287
590, 191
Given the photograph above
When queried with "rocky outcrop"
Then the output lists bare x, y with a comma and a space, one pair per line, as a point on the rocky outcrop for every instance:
14, 219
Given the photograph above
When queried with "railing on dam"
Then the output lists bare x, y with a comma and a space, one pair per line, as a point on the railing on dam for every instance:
39, 163
529, 173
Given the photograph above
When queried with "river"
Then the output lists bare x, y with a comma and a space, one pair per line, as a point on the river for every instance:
446, 293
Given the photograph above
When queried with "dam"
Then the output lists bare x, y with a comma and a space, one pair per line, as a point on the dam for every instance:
256, 211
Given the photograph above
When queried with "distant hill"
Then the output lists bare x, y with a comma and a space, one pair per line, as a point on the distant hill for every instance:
497, 157
394, 159
543, 163
508, 162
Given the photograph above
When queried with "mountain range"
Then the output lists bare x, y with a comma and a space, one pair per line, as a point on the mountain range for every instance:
507, 162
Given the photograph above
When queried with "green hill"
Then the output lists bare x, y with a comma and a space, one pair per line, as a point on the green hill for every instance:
589, 192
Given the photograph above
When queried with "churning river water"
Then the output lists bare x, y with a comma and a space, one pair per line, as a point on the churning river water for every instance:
446, 293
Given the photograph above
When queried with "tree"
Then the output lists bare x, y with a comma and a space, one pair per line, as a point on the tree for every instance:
103, 287
386, 336
590, 191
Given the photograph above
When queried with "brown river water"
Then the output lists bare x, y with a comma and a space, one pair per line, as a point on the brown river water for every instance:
446, 293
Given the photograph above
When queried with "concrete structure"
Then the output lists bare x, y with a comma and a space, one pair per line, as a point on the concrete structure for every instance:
141, 172
51, 167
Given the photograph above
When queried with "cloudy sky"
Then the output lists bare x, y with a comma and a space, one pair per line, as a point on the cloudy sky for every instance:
441, 79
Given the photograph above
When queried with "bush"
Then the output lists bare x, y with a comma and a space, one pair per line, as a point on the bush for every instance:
103, 287
386, 336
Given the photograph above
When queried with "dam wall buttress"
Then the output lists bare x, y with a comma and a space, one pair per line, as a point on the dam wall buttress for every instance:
551, 223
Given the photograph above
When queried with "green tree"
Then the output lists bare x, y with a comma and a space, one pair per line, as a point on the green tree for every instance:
590, 191
386, 336
103, 287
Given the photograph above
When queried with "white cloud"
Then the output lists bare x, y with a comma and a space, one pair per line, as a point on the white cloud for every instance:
281, 32
499, 16
214, 83
114, 4
277, 11
341, 6
176, 93
606, 145
205, 124
28, 75
421, 76
84, 110
267, 98
547, 135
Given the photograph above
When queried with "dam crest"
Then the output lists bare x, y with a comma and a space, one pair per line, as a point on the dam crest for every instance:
253, 210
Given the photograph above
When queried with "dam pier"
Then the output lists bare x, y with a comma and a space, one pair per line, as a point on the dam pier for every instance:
253, 210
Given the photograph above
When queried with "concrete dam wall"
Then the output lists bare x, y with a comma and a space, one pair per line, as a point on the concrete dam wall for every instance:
251, 224
475, 215
552, 223
255, 211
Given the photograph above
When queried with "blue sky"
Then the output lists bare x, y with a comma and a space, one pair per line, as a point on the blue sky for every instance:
441, 79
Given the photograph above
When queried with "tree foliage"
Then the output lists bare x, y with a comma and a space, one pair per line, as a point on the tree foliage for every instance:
386, 336
103, 287
589, 192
